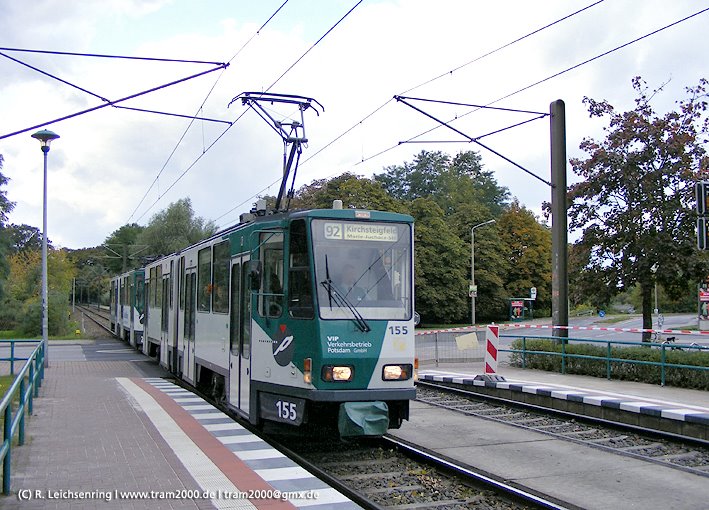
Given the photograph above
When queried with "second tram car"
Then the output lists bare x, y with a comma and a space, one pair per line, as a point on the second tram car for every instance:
126, 306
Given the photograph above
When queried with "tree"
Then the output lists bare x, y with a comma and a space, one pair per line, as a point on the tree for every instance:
355, 191
174, 228
5, 239
23, 302
26, 237
121, 248
449, 182
527, 249
467, 195
635, 203
441, 265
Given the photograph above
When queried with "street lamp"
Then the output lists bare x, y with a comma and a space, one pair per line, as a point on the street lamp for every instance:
474, 290
45, 137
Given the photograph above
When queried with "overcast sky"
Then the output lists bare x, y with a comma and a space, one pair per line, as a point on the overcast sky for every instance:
108, 160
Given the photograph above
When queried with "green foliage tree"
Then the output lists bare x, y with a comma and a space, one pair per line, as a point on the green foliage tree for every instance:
356, 192
527, 248
22, 307
467, 195
441, 265
450, 182
92, 274
635, 203
121, 249
5, 238
26, 237
174, 228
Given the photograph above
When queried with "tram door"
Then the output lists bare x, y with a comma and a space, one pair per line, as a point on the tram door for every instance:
240, 335
175, 343
190, 317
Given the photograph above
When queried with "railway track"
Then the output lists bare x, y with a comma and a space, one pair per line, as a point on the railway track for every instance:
379, 473
389, 473
99, 317
682, 453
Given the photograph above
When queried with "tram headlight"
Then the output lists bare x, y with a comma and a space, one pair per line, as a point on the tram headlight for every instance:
396, 372
308, 370
337, 373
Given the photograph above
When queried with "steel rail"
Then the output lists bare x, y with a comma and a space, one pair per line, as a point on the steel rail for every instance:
661, 434
468, 472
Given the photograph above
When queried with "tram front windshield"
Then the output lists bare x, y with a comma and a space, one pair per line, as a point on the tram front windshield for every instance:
365, 266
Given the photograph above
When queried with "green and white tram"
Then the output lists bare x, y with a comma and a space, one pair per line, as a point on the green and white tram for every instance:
301, 317
126, 306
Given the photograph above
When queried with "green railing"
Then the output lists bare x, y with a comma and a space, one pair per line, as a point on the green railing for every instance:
24, 389
608, 358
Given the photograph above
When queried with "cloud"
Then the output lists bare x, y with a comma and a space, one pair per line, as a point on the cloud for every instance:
105, 162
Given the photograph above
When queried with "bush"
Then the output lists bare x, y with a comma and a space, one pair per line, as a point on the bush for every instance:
10, 310
58, 317
579, 361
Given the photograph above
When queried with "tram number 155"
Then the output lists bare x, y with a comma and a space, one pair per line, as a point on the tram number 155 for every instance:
283, 409
286, 410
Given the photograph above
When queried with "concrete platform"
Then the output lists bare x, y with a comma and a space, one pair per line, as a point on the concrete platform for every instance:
670, 409
579, 475
114, 434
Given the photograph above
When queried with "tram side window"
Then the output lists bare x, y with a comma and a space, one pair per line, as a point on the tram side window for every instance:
220, 288
204, 283
140, 293
182, 283
271, 296
150, 288
300, 293
165, 316
158, 286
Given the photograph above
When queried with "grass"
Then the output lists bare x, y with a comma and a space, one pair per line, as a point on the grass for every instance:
5, 383
15, 335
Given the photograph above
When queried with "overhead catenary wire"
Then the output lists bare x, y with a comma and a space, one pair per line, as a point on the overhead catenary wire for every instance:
391, 99
450, 72
184, 133
111, 103
241, 115
539, 82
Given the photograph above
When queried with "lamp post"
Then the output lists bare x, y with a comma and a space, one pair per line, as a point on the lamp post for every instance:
472, 267
45, 137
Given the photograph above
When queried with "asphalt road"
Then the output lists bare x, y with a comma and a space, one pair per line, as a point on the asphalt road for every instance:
678, 321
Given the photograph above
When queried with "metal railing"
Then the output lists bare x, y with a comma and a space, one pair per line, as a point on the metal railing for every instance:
24, 389
609, 358
12, 359
464, 345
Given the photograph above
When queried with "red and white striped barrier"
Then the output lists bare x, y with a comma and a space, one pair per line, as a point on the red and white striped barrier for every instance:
577, 328
492, 344
618, 330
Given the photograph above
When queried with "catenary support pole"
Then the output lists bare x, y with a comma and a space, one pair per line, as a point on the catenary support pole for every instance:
559, 235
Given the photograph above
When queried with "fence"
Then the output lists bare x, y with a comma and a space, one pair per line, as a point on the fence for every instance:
609, 359
450, 346
23, 390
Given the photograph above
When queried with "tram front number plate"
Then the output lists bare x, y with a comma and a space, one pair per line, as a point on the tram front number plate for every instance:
284, 409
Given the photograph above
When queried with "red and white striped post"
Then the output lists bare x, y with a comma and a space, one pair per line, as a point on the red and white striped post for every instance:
492, 343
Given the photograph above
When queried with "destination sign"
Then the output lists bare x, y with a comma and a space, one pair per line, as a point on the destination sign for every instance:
352, 231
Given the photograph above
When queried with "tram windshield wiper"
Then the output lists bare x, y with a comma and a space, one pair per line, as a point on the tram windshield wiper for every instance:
341, 301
